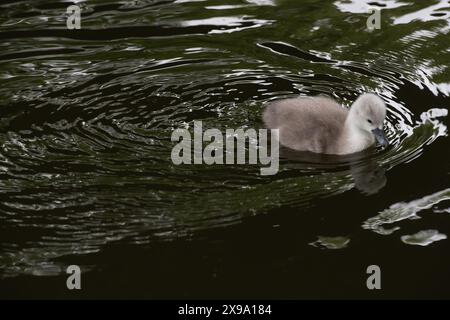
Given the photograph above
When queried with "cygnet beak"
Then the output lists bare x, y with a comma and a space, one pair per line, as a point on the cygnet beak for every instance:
380, 136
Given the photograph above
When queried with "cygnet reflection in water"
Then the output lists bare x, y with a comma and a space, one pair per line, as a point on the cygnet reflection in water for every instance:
367, 173
369, 176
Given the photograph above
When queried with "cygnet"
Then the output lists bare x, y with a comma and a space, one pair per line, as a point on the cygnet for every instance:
321, 125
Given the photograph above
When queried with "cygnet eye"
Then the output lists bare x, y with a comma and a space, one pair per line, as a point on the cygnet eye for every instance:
369, 121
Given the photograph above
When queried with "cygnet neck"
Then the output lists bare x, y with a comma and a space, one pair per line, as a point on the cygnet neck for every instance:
354, 137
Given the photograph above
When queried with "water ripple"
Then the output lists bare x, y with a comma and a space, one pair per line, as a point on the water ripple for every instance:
87, 118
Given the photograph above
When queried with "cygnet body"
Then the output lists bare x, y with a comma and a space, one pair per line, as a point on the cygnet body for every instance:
321, 125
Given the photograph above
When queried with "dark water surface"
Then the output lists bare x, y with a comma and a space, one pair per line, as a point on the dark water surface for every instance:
85, 170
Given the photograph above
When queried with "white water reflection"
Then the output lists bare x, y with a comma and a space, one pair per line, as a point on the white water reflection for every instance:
423, 238
262, 2
240, 23
444, 88
362, 6
438, 11
331, 242
402, 211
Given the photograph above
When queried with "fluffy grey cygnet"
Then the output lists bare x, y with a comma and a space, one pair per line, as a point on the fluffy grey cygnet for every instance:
321, 125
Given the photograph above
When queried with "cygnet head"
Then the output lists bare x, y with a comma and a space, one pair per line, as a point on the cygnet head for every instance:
367, 114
